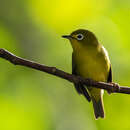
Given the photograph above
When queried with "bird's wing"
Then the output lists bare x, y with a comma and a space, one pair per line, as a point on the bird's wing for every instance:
79, 86
109, 79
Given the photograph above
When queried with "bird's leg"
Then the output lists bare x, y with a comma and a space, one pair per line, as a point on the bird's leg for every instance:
78, 88
115, 87
82, 90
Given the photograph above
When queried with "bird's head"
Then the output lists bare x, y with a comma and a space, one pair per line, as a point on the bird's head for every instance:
81, 37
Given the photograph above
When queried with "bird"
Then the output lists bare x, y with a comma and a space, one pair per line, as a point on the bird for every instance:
90, 60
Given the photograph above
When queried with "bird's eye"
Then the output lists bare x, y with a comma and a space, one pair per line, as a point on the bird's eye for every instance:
80, 36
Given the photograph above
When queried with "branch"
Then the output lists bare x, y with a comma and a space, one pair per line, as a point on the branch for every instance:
59, 73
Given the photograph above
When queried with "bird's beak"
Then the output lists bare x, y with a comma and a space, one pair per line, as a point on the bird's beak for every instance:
67, 36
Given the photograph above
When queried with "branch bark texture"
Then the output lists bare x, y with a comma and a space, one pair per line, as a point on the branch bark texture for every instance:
59, 73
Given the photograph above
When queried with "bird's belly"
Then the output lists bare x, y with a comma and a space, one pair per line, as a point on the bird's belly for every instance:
92, 71
92, 68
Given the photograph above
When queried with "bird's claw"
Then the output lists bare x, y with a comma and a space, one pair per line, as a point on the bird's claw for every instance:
115, 87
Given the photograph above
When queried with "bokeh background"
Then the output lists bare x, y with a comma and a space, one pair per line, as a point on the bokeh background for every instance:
32, 29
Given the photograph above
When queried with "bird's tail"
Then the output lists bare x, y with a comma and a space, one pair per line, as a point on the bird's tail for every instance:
98, 107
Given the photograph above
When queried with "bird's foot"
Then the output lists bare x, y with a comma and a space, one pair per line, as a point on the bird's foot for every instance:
115, 87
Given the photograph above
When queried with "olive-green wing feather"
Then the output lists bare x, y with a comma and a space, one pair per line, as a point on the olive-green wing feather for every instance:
109, 79
79, 86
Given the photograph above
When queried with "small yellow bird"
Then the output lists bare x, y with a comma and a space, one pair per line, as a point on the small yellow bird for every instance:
90, 60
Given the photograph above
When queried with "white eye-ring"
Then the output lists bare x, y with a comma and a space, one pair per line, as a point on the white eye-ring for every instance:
80, 36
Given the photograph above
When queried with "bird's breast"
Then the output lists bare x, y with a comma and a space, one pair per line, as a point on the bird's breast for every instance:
91, 64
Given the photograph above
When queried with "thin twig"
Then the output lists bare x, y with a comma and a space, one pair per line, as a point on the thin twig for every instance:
59, 73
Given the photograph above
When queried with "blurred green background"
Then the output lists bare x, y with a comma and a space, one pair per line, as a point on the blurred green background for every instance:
32, 29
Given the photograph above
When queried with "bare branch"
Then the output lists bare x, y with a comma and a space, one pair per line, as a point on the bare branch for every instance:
59, 73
